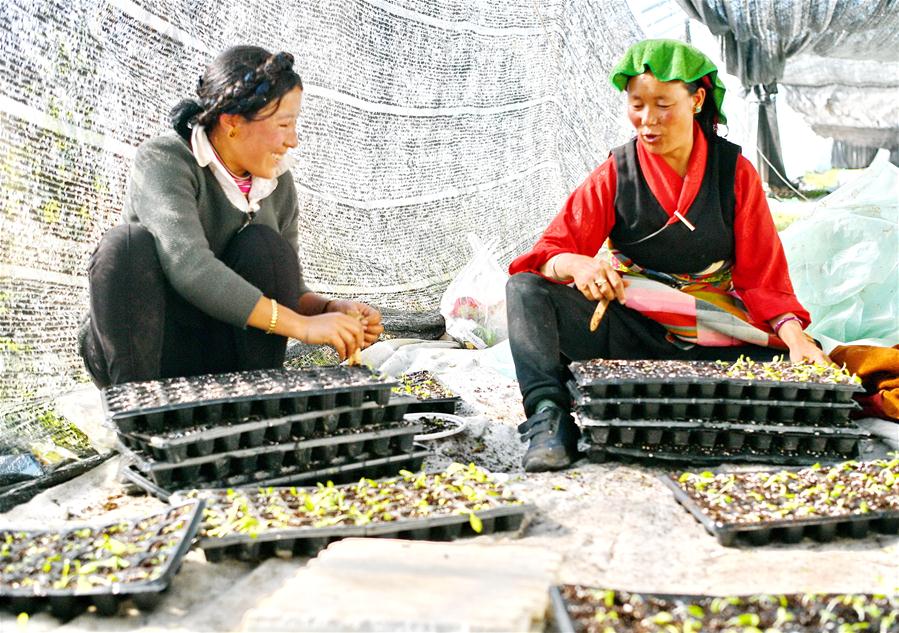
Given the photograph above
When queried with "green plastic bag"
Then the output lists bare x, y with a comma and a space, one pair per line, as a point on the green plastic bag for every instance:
843, 260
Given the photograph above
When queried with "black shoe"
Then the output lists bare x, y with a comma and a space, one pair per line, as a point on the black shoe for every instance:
553, 439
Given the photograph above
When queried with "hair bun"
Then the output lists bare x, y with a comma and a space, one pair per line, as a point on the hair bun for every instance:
278, 62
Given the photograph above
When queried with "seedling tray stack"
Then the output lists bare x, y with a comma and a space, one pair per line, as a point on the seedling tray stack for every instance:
254, 523
708, 412
578, 609
96, 564
258, 426
852, 499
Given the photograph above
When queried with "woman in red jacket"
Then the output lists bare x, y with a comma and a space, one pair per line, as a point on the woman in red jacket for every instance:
694, 271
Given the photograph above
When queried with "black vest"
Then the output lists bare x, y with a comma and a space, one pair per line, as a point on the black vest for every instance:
676, 249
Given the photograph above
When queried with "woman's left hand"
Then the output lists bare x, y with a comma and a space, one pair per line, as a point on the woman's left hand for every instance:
801, 346
370, 317
806, 350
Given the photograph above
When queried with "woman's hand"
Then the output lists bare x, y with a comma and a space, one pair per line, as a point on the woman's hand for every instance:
806, 350
801, 346
369, 317
593, 276
342, 332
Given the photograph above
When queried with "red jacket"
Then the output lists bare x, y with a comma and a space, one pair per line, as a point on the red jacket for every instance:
760, 275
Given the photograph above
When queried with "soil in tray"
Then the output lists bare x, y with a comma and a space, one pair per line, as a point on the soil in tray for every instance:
134, 398
607, 611
457, 490
848, 489
88, 559
742, 369
435, 424
422, 385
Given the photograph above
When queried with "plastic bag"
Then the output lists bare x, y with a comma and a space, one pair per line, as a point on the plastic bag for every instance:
474, 304
20, 467
844, 262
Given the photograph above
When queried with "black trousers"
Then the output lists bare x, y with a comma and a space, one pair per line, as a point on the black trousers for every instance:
549, 326
140, 328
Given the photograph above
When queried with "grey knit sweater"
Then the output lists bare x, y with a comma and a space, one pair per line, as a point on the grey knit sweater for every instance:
191, 219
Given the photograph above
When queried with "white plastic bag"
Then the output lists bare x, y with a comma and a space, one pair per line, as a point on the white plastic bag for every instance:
474, 304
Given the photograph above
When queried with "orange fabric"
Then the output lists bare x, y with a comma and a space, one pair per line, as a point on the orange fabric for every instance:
878, 367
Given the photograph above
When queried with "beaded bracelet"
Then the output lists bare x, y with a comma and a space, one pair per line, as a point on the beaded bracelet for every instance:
784, 321
274, 320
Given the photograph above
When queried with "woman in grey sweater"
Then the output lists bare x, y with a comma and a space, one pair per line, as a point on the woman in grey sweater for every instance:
204, 276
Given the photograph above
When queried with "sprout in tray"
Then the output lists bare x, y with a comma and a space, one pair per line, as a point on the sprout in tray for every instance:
847, 489
457, 490
86, 558
607, 611
422, 385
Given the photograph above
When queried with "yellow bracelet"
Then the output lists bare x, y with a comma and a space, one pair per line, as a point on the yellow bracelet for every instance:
274, 320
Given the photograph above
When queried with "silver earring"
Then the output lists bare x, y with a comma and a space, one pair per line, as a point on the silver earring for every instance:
697, 109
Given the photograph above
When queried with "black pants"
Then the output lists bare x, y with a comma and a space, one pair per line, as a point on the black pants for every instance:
549, 326
140, 328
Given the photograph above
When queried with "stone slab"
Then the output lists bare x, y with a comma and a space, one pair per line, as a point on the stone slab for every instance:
393, 585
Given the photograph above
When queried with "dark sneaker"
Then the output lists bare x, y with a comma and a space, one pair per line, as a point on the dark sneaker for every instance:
553, 437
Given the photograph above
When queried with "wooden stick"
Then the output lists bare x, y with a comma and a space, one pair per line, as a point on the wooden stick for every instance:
598, 313
354, 360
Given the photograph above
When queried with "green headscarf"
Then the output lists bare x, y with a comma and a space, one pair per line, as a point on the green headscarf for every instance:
669, 60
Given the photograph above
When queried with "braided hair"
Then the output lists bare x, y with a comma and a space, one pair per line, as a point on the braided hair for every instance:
241, 80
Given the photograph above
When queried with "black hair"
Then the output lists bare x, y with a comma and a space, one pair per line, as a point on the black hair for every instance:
709, 116
241, 80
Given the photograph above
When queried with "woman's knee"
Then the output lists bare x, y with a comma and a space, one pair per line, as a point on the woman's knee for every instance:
124, 251
124, 240
263, 257
257, 239
521, 285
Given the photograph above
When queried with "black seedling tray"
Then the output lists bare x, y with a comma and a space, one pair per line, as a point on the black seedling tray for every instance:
176, 446
311, 453
698, 456
343, 470
705, 387
309, 541
428, 394
13, 495
174, 403
786, 411
659, 605
434, 405
764, 439
67, 603
822, 529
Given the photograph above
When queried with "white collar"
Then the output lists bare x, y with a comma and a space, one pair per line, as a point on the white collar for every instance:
261, 188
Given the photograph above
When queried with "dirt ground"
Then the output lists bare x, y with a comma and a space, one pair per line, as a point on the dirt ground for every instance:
614, 525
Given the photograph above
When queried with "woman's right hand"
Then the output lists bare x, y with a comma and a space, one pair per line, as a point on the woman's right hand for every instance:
342, 332
593, 276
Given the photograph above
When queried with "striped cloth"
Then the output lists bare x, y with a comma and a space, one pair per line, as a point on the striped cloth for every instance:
244, 183
696, 309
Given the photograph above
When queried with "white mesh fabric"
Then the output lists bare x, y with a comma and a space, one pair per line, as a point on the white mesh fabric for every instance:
422, 121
